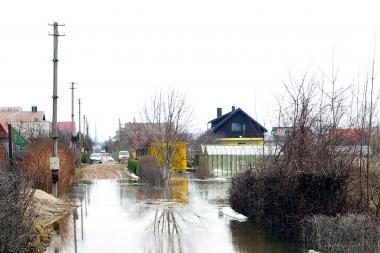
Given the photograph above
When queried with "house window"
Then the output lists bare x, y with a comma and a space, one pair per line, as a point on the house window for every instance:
236, 127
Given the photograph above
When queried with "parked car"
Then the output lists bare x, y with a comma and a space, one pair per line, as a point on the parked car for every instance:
96, 158
123, 155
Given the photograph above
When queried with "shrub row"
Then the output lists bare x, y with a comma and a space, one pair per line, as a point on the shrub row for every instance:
85, 158
280, 202
343, 233
132, 165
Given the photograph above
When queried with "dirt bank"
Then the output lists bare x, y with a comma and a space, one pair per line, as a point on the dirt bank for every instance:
48, 210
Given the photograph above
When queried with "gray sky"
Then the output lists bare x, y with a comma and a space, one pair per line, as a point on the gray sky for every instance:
220, 53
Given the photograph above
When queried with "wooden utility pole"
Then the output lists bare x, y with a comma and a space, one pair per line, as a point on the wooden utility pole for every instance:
72, 143
54, 160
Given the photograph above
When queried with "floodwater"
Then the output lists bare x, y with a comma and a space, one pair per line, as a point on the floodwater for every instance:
123, 216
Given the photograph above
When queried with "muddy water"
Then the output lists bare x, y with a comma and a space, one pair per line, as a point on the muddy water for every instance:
123, 216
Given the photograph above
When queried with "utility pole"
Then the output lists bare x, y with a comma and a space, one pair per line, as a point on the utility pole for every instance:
84, 133
79, 136
72, 143
54, 160
119, 134
96, 134
87, 127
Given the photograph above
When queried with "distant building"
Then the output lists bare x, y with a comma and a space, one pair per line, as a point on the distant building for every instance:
348, 136
278, 135
66, 127
137, 136
30, 124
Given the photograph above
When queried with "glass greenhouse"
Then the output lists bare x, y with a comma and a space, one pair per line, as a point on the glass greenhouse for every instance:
227, 160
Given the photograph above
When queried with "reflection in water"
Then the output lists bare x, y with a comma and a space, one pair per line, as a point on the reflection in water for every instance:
248, 238
166, 231
122, 216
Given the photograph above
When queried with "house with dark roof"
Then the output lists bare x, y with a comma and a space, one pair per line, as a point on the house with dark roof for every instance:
239, 144
237, 127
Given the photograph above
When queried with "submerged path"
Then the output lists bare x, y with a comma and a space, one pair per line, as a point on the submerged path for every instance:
109, 170
116, 215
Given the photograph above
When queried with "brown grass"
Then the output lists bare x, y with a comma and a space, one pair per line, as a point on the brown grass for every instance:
343, 233
36, 166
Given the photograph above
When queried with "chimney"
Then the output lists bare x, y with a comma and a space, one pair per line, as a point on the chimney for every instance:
218, 112
34, 108
233, 108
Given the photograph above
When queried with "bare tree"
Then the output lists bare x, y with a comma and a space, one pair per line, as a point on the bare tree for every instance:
168, 117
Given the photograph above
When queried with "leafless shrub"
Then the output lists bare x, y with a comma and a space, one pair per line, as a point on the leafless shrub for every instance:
343, 233
202, 172
148, 170
16, 214
36, 166
320, 169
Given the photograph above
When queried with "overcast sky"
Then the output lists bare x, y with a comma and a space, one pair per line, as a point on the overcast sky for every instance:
220, 53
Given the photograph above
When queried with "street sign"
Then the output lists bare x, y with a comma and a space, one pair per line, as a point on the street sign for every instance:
54, 163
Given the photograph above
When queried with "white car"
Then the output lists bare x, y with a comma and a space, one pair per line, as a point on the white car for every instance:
123, 156
96, 158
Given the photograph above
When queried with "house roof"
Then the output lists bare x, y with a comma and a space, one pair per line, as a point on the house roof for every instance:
348, 133
66, 126
17, 116
225, 117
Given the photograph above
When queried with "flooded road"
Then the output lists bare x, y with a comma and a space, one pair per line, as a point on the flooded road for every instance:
124, 216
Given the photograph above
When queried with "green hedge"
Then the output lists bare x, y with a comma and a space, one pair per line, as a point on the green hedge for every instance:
132, 165
85, 158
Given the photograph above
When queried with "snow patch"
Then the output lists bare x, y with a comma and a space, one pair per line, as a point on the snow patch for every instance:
228, 211
132, 175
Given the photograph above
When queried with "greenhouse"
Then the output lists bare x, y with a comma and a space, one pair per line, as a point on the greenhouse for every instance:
227, 160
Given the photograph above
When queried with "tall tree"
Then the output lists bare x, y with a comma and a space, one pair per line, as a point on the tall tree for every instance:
168, 117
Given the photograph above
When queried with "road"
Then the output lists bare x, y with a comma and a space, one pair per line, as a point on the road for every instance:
107, 170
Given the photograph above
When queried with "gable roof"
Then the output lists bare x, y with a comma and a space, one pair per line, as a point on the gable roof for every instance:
224, 118
15, 116
221, 117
